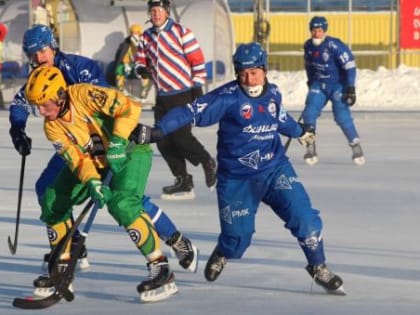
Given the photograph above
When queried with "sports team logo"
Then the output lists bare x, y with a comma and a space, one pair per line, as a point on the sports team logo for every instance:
134, 235
52, 234
272, 108
325, 56
246, 111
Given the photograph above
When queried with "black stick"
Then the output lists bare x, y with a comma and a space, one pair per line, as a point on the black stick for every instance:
61, 279
13, 245
286, 145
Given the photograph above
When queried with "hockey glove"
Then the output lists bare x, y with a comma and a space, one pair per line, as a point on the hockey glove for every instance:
196, 91
21, 141
349, 95
308, 135
116, 153
143, 134
99, 192
127, 69
142, 72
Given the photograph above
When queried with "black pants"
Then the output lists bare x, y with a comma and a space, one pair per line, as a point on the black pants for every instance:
181, 145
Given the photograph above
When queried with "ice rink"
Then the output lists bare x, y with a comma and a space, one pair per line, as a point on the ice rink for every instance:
371, 220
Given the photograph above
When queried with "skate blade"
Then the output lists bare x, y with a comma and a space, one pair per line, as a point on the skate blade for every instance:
359, 161
194, 264
212, 188
40, 293
311, 161
159, 294
179, 196
338, 291
83, 265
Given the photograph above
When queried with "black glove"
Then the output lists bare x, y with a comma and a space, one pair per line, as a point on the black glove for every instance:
349, 95
196, 91
145, 134
21, 141
142, 72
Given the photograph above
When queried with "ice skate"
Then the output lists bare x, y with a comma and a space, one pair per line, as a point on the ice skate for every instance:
44, 286
82, 263
182, 189
161, 282
185, 251
357, 157
215, 265
330, 282
210, 173
311, 157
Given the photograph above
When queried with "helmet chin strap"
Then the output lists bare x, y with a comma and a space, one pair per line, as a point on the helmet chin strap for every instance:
318, 41
253, 91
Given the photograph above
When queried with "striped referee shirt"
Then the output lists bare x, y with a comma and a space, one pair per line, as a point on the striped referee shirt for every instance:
174, 57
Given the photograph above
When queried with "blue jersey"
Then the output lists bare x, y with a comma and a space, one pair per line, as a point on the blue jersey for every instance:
248, 144
75, 69
330, 62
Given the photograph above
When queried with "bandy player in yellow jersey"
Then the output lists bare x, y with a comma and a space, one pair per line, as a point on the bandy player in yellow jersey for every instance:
89, 127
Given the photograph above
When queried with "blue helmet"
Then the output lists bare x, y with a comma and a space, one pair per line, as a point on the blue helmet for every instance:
38, 37
318, 22
250, 55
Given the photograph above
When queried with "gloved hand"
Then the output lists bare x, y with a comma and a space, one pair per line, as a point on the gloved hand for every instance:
308, 135
127, 69
349, 95
196, 91
21, 141
99, 192
145, 134
116, 155
142, 72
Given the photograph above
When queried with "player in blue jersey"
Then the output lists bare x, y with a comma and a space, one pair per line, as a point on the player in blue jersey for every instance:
331, 74
252, 165
41, 48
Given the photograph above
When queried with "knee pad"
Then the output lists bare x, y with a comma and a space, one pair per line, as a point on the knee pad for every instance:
234, 246
144, 236
57, 232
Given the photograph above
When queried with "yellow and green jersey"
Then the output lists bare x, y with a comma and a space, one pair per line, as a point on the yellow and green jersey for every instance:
82, 135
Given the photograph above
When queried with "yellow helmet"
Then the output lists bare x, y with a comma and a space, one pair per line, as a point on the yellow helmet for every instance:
135, 29
45, 83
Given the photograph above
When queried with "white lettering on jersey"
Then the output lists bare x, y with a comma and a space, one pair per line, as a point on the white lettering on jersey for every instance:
260, 129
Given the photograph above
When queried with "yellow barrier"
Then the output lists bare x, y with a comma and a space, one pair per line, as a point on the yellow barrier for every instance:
372, 37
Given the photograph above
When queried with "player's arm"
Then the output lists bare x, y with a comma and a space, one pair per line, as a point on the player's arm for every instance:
19, 111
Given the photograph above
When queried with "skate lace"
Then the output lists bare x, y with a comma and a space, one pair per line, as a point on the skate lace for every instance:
219, 263
154, 269
357, 151
182, 248
323, 274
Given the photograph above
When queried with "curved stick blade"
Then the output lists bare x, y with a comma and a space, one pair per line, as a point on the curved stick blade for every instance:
12, 247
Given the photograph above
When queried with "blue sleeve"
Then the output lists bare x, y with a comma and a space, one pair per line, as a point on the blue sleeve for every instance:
288, 126
206, 110
79, 69
19, 110
347, 63
175, 119
307, 62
